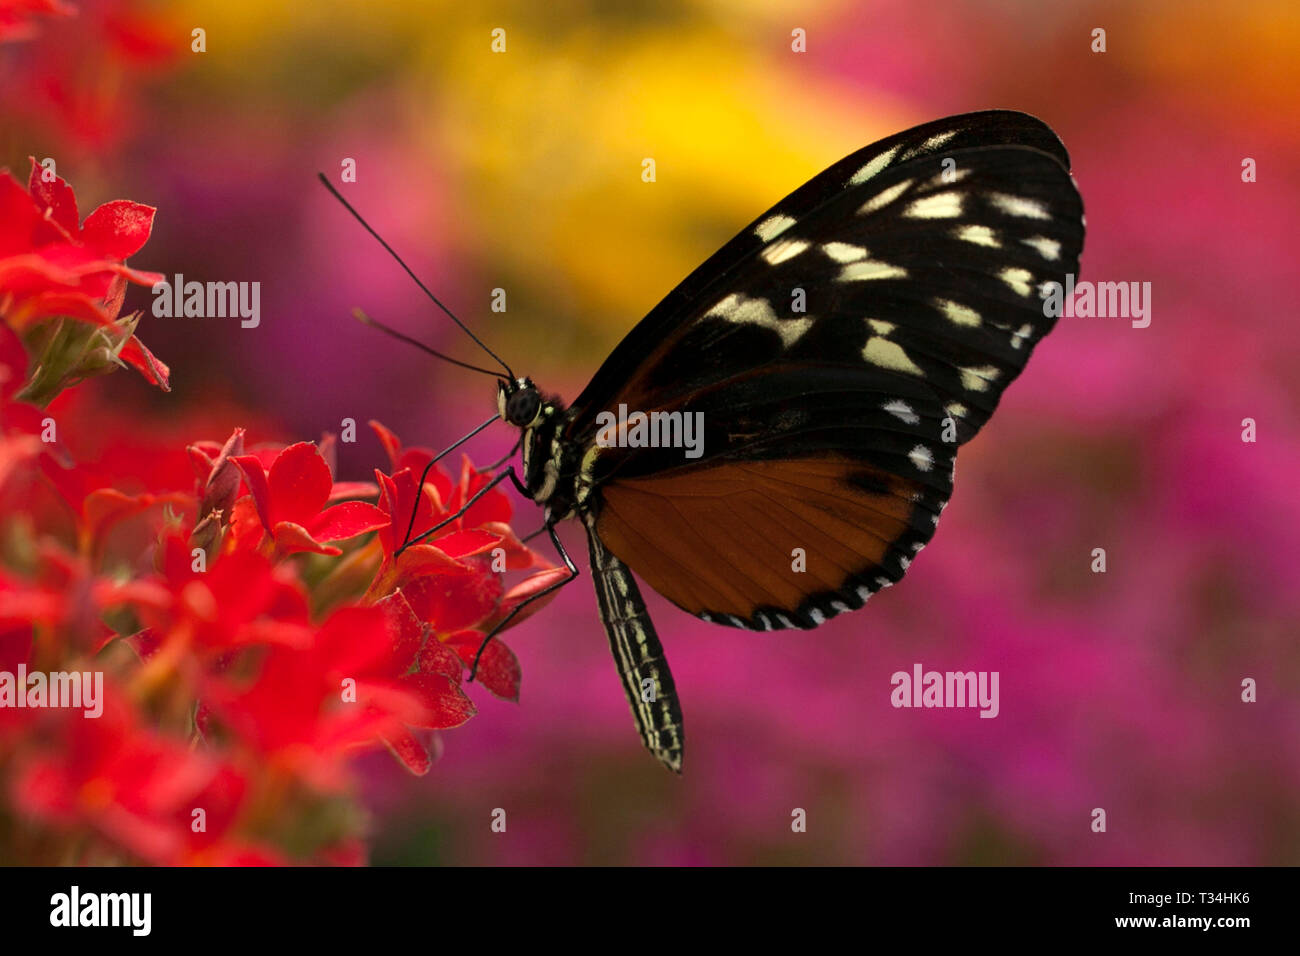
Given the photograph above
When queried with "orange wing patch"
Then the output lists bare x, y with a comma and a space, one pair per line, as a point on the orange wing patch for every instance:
719, 541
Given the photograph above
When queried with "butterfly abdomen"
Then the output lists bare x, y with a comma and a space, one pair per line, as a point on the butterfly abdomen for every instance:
638, 654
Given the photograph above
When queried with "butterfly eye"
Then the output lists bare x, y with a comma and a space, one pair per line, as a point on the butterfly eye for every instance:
522, 407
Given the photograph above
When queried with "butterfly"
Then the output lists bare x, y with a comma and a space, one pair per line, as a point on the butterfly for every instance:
832, 358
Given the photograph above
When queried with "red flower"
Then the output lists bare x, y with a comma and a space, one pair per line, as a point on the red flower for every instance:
16, 635
431, 671
62, 598
50, 266
291, 498
16, 17
98, 506
20, 423
449, 581
107, 774
308, 708
243, 599
447, 496
79, 81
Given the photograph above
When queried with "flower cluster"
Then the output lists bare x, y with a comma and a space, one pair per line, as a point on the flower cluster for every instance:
79, 70
195, 644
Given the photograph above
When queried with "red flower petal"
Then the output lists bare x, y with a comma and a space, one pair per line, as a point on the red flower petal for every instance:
300, 483
292, 538
104, 507
518, 555
145, 643
258, 487
353, 489
436, 657
414, 459
498, 668
446, 703
73, 305
392, 444
246, 527
202, 456
119, 228
412, 754
526, 589
407, 631
451, 602
462, 544
13, 362
140, 358
377, 641
347, 521
20, 215
55, 199
493, 506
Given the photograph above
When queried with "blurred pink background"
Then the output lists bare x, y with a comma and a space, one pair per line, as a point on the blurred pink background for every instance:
522, 171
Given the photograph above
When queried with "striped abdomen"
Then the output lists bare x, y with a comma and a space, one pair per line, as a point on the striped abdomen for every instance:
638, 655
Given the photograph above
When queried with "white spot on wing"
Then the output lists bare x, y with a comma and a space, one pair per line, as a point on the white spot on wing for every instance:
937, 140
884, 197
948, 178
1017, 279
939, 206
957, 313
779, 252
881, 328
977, 379
741, 309
1019, 206
1049, 249
869, 269
873, 166
921, 457
1018, 337
773, 226
844, 251
931, 144
901, 410
889, 355
980, 235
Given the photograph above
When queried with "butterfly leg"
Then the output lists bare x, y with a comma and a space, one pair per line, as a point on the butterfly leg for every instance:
496, 480
406, 539
500, 626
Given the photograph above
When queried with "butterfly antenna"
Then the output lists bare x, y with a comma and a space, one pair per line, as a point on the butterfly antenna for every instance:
425, 289
367, 320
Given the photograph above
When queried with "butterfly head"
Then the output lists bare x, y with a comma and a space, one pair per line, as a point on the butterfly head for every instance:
519, 402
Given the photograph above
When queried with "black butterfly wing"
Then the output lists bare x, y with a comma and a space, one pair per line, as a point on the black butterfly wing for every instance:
830, 432
638, 364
